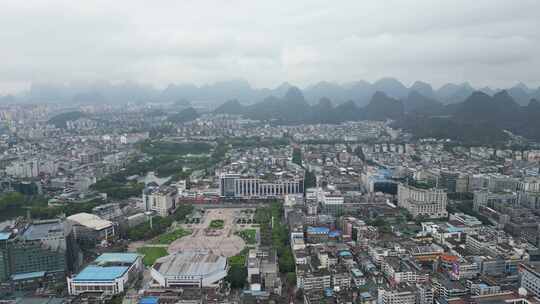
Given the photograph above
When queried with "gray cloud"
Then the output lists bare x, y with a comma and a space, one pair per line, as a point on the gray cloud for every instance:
486, 42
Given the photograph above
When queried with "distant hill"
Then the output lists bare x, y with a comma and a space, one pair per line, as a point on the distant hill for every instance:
185, 115
417, 103
391, 87
293, 108
382, 107
423, 89
480, 118
60, 120
454, 93
360, 92
230, 107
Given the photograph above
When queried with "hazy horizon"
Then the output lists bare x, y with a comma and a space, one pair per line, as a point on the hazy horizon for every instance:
486, 43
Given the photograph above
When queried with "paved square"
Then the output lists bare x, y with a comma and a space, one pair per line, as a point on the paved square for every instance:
224, 243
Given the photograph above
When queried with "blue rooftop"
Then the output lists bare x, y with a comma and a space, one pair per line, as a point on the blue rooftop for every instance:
28, 275
345, 253
4, 235
149, 300
117, 257
365, 295
318, 230
452, 228
386, 173
98, 273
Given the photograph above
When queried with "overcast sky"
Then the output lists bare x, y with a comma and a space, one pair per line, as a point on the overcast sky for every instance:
485, 42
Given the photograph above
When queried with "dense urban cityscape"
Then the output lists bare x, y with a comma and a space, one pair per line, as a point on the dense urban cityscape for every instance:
270, 152
132, 204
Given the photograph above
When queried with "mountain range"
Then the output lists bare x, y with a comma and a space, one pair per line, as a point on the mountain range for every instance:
480, 118
359, 92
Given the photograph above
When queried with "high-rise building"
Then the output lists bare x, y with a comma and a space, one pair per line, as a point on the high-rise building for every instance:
43, 250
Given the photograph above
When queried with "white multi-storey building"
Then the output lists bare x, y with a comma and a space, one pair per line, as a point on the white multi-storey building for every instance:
430, 203
530, 279
395, 296
236, 186
161, 200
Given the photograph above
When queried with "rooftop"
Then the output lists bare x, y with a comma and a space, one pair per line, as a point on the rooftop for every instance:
117, 257
190, 263
318, 230
90, 220
98, 273
149, 300
38, 231
28, 275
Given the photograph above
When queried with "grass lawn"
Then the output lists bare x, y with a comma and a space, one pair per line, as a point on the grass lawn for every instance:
217, 224
170, 237
151, 254
248, 235
239, 260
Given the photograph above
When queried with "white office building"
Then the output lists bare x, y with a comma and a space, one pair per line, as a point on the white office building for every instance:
161, 200
236, 186
430, 203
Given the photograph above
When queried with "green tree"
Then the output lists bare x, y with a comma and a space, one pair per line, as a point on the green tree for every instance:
237, 276
297, 156
291, 278
310, 180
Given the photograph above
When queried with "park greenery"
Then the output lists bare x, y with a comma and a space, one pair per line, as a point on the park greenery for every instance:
165, 158
13, 204
248, 235
144, 231
237, 273
276, 234
172, 236
255, 142
310, 180
160, 225
217, 224
297, 156
151, 254
118, 188
273, 233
